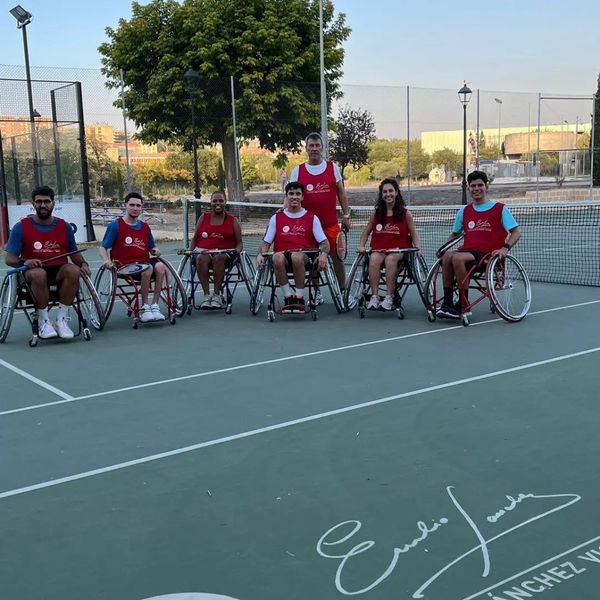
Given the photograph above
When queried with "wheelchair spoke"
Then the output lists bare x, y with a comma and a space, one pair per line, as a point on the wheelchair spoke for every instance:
509, 288
8, 298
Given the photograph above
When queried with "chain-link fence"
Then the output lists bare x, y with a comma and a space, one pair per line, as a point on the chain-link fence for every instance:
44, 146
534, 146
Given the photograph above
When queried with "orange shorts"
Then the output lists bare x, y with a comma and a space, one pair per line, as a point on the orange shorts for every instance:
332, 232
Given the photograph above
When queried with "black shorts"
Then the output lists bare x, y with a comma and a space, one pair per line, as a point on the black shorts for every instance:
476, 253
51, 273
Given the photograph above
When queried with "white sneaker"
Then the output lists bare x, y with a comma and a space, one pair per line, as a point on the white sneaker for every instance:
146, 314
46, 330
217, 302
373, 303
63, 329
319, 298
158, 316
206, 303
388, 303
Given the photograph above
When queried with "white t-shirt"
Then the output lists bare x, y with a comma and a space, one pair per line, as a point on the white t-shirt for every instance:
272, 228
317, 170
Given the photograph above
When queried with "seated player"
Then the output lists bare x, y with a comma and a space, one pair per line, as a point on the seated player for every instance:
215, 230
293, 231
130, 240
391, 227
33, 242
486, 225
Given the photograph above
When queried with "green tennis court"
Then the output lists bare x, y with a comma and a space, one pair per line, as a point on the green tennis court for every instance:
378, 458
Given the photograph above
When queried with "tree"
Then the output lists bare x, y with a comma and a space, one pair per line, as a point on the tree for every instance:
451, 160
354, 129
270, 47
595, 145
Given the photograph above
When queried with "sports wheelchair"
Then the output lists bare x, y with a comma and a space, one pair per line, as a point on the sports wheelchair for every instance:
315, 279
123, 282
240, 270
500, 280
16, 294
412, 271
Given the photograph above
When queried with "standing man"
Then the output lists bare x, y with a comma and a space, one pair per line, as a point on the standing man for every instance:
323, 188
130, 240
40, 237
486, 224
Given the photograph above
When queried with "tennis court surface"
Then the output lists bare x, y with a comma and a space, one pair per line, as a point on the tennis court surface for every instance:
373, 457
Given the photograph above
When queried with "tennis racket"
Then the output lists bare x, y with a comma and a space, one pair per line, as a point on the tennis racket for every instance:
46, 260
341, 245
132, 269
449, 244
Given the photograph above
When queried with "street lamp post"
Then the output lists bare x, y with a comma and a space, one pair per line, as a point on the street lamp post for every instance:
191, 80
499, 102
464, 95
23, 18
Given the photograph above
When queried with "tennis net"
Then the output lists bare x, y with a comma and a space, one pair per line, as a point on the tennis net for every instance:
560, 242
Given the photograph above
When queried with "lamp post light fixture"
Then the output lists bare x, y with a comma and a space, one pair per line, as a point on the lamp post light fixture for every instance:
191, 80
464, 95
499, 102
24, 18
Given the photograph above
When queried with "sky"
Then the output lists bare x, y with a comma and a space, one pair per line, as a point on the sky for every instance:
546, 46
513, 45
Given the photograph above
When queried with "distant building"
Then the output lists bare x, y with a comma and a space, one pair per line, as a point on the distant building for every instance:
552, 138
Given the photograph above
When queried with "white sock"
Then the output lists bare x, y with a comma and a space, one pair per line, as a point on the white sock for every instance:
63, 311
43, 314
286, 289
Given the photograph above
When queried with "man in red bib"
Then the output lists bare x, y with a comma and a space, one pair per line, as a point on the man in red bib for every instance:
292, 231
129, 241
486, 225
323, 187
32, 243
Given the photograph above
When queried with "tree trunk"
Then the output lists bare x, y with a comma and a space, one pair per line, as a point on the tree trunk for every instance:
235, 189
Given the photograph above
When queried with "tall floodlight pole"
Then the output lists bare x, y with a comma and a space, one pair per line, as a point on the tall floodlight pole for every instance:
324, 128
23, 18
192, 83
464, 95
499, 103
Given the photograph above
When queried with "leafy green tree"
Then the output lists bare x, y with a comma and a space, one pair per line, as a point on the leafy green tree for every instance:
449, 159
353, 130
270, 47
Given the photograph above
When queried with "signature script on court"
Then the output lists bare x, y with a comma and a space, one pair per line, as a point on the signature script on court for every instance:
334, 543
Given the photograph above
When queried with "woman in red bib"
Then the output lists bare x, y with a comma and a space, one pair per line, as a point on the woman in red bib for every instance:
391, 228
216, 231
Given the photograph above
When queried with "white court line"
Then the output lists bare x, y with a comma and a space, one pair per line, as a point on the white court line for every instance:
275, 360
43, 384
553, 558
285, 424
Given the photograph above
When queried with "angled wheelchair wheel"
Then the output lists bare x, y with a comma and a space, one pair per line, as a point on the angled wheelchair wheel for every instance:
334, 287
355, 282
248, 270
90, 305
8, 299
508, 287
105, 284
434, 290
178, 290
258, 288
186, 276
418, 274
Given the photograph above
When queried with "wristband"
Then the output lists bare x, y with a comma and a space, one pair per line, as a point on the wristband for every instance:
346, 216
507, 246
